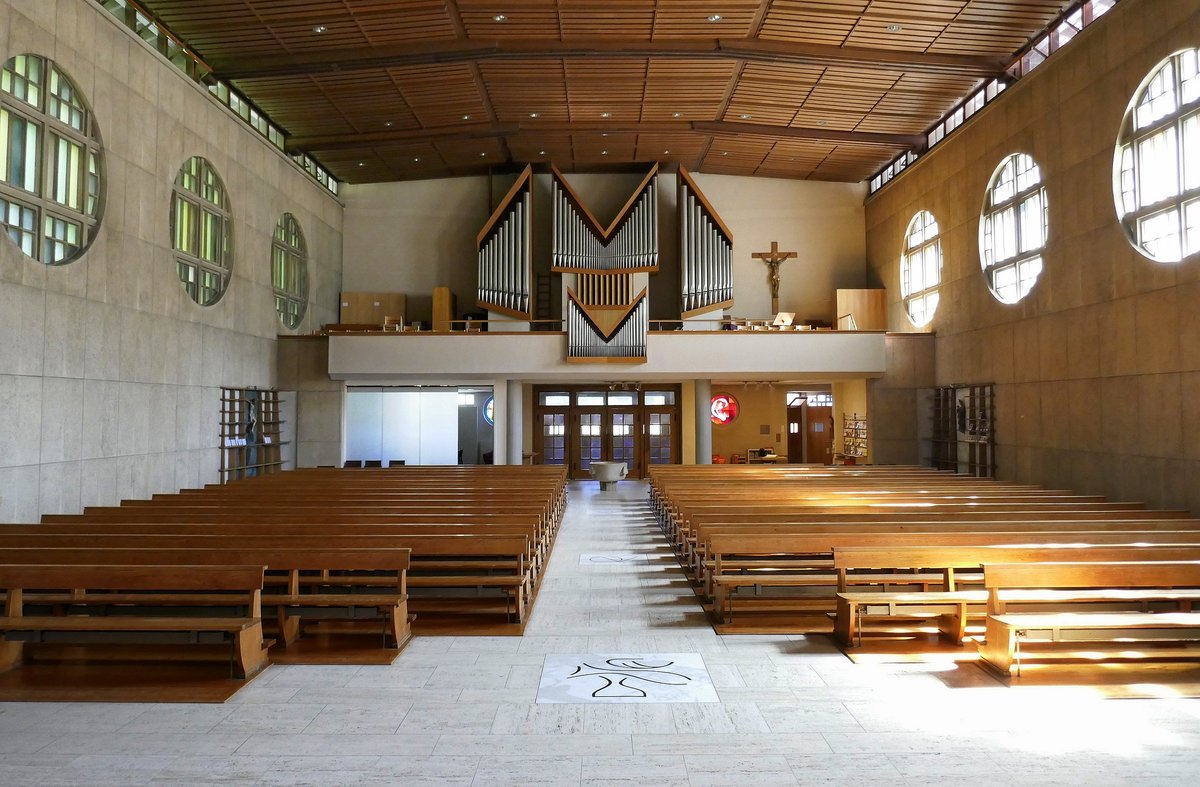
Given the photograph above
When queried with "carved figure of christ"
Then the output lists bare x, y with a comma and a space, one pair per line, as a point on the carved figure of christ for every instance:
773, 258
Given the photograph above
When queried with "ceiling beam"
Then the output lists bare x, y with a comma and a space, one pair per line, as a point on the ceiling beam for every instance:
907, 141
488, 131
745, 49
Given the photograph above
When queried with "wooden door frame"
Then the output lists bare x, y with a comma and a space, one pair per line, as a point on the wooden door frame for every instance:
642, 411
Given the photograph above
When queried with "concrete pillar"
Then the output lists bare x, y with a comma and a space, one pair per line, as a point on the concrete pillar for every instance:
500, 417
515, 426
703, 422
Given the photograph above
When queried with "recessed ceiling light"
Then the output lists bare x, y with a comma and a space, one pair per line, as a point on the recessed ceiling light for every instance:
466, 117
605, 114
666, 152
745, 116
499, 18
319, 28
361, 164
388, 124
604, 153
894, 28
676, 114
481, 155
533, 114
725, 153
714, 17
541, 152
604, 133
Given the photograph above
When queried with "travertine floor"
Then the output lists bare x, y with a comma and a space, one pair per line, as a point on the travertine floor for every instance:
460, 711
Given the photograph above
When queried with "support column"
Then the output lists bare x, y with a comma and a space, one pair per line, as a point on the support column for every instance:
515, 423
703, 422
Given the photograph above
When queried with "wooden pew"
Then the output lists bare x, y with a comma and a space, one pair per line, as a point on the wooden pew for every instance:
1073, 584
300, 583
947, 560
237, 585
476, 561
788, 559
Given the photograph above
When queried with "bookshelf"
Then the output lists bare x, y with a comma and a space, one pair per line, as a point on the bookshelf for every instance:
854, 437
964, 429
250, 433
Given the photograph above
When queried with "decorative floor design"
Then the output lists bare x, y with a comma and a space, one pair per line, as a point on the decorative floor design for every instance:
645, 677
612, 558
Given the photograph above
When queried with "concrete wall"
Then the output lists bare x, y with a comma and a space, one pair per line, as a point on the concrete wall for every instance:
109, 372
898, 404
1098, 369
303, 367
412, 236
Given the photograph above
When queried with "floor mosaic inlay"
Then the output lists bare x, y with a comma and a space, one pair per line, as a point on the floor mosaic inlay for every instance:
654, 677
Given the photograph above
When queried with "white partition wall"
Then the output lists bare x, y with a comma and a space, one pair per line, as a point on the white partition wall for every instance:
364, 423
416, 426
401, 437
439, 427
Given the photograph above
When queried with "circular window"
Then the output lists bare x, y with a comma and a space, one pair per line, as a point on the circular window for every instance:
1157, 161
1013, 227
201, 231
50, 162
724, 409
289, 271
921, 268
489, 410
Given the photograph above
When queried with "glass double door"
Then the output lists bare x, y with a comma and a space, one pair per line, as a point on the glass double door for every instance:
609, 435
578, 425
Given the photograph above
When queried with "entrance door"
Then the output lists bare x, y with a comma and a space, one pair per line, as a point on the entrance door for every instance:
552, 447
660, 438
819, 437
578, 425
796, 434
622, 440
589, 442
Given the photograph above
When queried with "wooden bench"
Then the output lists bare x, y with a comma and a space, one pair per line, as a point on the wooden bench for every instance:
300, 582
795, 559
208, 586
948, 560
1073, 584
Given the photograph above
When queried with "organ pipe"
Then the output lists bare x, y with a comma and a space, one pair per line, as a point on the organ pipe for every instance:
705, 252
505, 253
628, 245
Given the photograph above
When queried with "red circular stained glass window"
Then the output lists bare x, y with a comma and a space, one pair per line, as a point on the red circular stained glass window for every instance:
724, 409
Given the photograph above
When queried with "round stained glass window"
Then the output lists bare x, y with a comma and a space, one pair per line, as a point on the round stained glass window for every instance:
724, 409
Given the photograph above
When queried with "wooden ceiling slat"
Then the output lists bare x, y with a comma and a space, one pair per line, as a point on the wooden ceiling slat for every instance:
824, 89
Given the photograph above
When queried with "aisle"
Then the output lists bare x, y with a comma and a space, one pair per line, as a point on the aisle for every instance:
465, 710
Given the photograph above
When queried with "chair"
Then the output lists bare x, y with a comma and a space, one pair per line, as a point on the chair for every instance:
373, 463
352, 463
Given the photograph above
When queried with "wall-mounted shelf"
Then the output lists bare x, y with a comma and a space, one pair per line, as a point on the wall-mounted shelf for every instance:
250, 442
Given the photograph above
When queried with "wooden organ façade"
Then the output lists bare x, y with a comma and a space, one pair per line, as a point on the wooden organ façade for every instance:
607, 319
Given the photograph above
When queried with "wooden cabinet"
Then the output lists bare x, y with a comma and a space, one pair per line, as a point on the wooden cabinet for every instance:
861, 310
371, 308
444, 308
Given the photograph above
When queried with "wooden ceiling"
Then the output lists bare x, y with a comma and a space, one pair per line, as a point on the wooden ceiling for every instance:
396, 90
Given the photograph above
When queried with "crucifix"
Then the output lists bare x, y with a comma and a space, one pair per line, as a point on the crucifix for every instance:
773, 258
